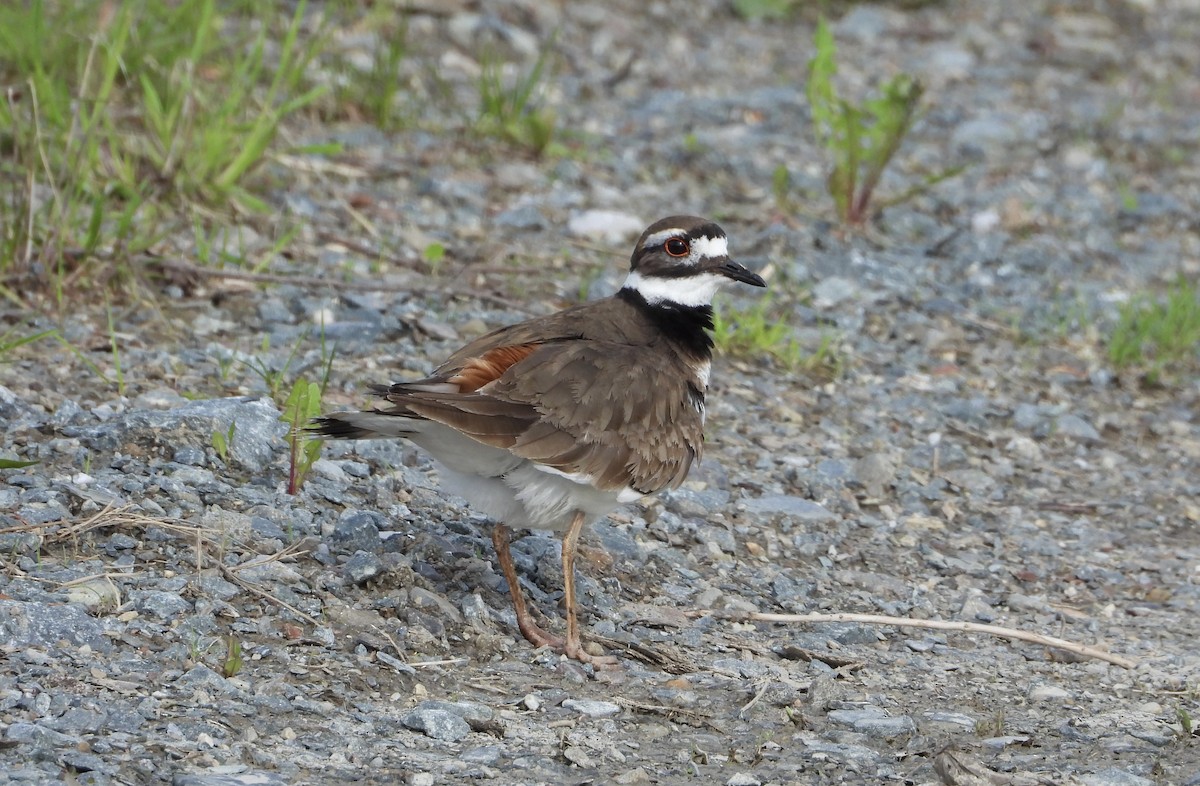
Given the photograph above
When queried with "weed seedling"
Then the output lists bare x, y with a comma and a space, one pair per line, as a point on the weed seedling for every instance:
762, 330
222, 441
301, 407
1156, 336
514, 112
861, 139
233, 657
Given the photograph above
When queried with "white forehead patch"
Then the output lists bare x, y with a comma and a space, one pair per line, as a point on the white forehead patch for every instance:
697, 290
709, 248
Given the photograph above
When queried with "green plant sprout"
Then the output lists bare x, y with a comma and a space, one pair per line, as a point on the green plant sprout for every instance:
302, 405
514, 113
233, 662
759, 331
1158, 337
861, 139
223, 441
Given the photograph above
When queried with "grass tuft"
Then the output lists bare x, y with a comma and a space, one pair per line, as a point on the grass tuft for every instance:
763, 330
1157, 337
123, 118
860, 138
514, 111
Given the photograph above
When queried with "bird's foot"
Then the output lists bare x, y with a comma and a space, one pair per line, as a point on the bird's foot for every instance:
539, 637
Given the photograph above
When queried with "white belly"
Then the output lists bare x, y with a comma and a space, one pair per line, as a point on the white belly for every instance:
529, 497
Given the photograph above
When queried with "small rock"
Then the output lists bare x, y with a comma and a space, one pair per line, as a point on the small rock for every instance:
874, 471
40, 625
592, 708
1025, 449
258, 432
833, 291
743, 779
357, 530
201, 676
609, 226
221, 776
1076, 427
438, 724
1112, 776
874, 721
99, 594
787, 505
1048, 693
577, 756
362, 567
485, 754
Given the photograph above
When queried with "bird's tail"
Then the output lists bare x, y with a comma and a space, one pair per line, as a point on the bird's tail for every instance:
365, 425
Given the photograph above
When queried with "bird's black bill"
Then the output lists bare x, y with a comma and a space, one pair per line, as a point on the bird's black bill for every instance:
735, 271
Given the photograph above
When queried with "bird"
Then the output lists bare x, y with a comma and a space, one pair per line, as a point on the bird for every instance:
553, 422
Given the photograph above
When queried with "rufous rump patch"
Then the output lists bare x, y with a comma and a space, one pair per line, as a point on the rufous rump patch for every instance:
481, 370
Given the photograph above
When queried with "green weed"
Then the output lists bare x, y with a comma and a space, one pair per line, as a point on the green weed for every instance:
8, 342
373, 93
764, 330
1157, 337
433, 255
233, 662
301, 407
123, 117
15, 464
861, 139
223, 441
764, 9
514, 112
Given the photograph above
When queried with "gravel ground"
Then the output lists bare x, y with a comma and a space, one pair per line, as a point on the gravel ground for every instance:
976, 459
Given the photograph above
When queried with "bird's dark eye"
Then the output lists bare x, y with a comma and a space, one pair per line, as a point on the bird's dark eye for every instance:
676, 247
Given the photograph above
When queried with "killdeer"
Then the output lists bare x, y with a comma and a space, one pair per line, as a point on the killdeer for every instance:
553, 422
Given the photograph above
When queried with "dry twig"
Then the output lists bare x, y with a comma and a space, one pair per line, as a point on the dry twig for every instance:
909, 622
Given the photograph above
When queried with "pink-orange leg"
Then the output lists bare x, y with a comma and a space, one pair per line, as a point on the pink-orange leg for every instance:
572, 646
529, 629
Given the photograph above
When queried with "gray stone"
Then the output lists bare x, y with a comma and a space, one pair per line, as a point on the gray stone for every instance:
592, 708
834, 291
164, 605
787, 505
743, 779
437, 723
201, 676
1112, 776
475, 714
357, 530
223, 777
40, 736
524, 217
1048, 693
485, 754
873, 721
362, 567
609, 226
258, 432
191, 455
39, 625
1077, 428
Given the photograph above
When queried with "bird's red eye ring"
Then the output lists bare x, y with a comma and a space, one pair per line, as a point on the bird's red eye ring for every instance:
676, 247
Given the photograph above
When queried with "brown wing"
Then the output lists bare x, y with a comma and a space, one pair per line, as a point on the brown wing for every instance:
620, 414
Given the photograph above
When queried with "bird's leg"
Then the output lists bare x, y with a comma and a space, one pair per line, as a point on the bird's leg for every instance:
529, 629
574, 646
